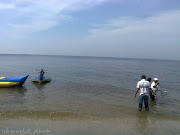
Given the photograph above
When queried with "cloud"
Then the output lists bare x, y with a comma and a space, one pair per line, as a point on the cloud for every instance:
158, 24
23, 17
157, 36
6, 6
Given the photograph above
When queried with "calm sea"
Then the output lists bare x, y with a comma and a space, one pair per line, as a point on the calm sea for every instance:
87, 86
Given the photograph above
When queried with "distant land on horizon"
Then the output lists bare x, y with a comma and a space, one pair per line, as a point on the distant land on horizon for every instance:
99, 57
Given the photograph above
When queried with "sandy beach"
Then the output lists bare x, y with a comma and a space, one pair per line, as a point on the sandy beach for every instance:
141, 123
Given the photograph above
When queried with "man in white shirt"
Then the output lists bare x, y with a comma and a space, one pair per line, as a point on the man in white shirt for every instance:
154, 87
144, 87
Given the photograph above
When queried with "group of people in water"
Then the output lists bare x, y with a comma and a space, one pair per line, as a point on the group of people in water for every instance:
146, 90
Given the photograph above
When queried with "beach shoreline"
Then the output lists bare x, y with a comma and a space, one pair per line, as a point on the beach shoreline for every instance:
139, 125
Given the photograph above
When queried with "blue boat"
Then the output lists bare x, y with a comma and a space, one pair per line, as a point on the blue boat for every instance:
41, 78
12, 81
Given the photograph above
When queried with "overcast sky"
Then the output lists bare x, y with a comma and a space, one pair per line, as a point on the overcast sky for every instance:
110, 28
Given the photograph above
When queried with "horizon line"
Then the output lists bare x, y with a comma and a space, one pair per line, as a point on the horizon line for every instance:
113, 57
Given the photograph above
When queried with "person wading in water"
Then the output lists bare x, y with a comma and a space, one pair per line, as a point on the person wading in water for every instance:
144, 87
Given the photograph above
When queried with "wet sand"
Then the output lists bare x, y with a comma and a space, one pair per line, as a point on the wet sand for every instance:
142, 123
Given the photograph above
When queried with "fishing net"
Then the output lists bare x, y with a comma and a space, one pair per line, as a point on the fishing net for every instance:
161, 93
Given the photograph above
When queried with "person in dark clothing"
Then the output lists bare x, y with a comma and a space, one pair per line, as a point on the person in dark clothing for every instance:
150, 93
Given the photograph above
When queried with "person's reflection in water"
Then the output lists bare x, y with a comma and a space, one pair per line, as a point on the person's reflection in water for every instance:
39, 86
145, 124
142, 123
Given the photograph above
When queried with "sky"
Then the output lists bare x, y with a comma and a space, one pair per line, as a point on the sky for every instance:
106, 28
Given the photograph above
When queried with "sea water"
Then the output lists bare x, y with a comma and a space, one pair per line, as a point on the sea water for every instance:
88, 88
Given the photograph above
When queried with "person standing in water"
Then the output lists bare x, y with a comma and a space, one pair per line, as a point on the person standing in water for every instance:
144, 87
150, 93
154, 87
149, 80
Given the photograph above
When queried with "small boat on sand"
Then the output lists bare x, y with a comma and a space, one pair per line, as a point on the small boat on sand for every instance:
12, 81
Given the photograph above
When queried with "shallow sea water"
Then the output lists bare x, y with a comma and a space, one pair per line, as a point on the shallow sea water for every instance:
88, 95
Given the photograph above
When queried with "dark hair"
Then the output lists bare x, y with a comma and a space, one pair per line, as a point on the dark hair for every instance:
143, 77
149, 79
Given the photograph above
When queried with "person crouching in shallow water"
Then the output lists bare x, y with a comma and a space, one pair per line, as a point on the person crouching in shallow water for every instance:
154, 87
144, 87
